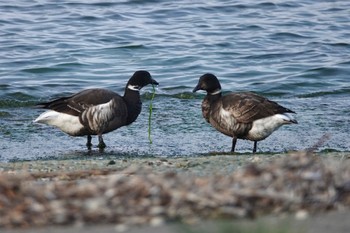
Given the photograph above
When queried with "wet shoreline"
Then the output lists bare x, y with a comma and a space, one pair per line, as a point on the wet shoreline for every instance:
205, 164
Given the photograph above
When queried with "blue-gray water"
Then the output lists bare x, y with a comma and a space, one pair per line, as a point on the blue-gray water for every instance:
294, 52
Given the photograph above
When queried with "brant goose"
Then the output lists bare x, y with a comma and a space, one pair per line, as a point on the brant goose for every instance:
96, 111
243, 115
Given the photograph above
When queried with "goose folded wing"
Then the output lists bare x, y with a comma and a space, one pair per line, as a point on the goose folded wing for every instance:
63, 105
106, 116
78, 103
248, 107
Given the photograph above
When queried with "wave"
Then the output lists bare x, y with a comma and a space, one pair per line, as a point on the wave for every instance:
42, 70
288, 35
341, 91
19, 99
23, 100
13, 103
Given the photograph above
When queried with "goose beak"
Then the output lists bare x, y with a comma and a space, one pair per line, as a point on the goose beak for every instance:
154, 82
197, 88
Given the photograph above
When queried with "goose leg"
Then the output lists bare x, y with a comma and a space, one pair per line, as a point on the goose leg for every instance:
101, 143
88, 143
255, 146
234, 140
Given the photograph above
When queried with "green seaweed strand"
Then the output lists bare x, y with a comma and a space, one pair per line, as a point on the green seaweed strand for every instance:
150, 114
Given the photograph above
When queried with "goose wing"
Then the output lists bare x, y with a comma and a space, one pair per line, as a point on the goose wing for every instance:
99, 110
103, 118
76, 104
247, 107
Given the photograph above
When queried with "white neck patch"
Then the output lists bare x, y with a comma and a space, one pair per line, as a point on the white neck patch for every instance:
133, 87
218, 91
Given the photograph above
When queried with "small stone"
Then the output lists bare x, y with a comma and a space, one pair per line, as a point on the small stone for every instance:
157, 221
121, 227
301, 214
112, 162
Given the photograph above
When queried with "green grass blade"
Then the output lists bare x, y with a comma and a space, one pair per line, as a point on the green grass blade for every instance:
150, 114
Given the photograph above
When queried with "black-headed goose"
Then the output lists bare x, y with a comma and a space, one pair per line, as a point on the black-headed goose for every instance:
96, 111
243, 115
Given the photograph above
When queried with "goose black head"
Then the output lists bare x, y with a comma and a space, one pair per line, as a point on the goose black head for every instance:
140, 79
209, 83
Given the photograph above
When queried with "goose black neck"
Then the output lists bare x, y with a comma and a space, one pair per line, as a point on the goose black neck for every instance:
133, 103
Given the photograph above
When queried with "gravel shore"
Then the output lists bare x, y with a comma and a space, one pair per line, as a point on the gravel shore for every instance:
129, 192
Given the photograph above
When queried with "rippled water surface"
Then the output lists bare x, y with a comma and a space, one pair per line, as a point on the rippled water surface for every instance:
294, 52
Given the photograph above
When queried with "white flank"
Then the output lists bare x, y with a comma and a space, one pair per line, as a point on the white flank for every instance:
262, 128
67, 123
99, 116
227, 119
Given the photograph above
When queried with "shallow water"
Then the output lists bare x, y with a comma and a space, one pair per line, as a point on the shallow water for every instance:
294, 52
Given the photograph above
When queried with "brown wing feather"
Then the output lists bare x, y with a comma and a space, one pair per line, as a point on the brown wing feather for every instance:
76, 104
247, 107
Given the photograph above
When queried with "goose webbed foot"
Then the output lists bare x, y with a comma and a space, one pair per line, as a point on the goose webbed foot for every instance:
101, 143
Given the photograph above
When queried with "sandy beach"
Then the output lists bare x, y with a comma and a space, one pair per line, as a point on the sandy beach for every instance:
305, 190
